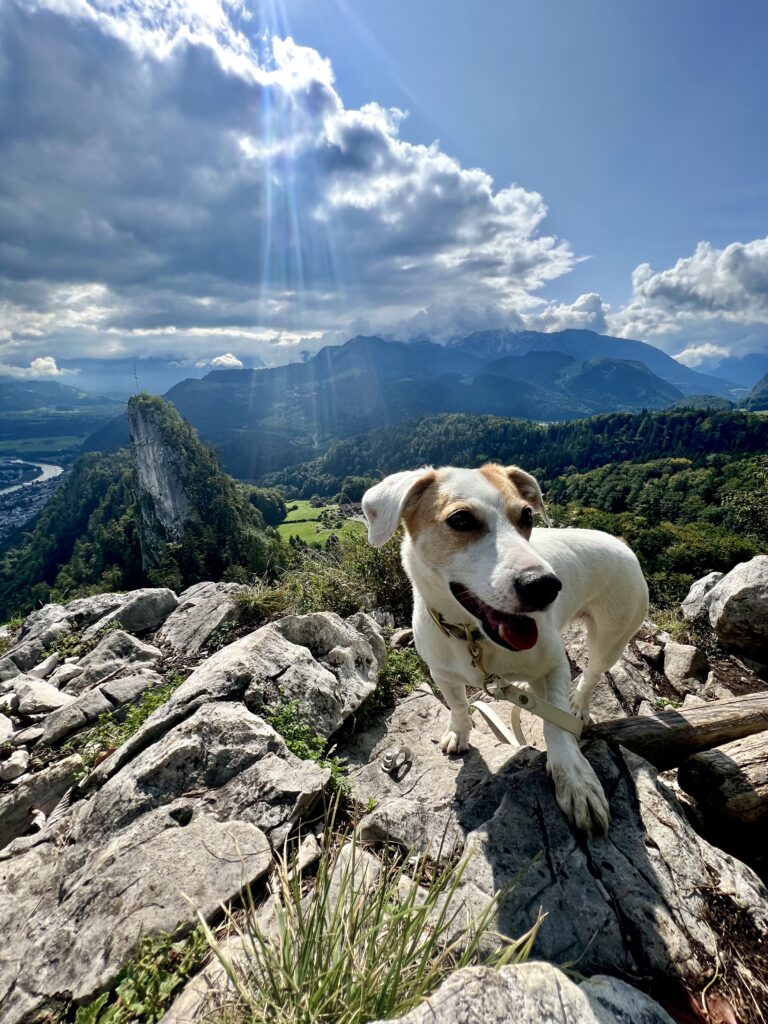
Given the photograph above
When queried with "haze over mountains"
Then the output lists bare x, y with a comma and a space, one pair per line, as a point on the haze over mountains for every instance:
264, 419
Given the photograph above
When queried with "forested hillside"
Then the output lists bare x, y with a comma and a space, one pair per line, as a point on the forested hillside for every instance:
88, 538
545, 449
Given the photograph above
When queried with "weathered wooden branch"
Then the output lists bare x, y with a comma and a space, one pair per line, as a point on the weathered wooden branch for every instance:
667, 738
731, 780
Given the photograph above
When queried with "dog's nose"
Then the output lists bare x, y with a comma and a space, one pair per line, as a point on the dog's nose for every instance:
537, 589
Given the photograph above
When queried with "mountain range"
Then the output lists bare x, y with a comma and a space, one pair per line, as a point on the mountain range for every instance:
262, 420
56, 417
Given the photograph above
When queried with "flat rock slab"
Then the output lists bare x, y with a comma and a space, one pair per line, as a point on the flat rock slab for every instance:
116, 654
201, 610
38, 792
140, 611
76, 918
532, 993
194, 814
36, 697
634, 904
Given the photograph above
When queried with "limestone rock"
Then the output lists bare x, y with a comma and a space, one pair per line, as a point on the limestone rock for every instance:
653, 653
738, 608
117, 653
698, 598
65, 674
532, 993
143, 610
8, 669
78, 713
191, 814
685, 666
14, 766
401, 638
45, 668
620, 691
41, 791
38, 697
146, 879
328, 680
238, 763
202, 609
634, 903
6, 728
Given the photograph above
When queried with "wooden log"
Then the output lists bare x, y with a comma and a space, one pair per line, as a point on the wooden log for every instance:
731, 780
667, 738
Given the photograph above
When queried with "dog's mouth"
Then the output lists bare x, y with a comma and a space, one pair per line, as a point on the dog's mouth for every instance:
515, 632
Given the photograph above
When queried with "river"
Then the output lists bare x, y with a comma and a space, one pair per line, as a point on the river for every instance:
49, 471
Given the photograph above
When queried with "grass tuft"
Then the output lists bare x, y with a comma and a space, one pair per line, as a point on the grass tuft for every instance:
368, 941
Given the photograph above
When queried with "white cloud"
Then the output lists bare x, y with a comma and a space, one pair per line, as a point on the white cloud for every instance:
166, 179
707, 352
40, 367
718, 293
228, 361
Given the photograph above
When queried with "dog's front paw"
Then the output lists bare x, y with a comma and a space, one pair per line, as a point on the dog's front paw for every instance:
454, 741
580, 795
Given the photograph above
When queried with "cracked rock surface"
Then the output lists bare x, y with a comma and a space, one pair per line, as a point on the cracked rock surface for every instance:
634, 903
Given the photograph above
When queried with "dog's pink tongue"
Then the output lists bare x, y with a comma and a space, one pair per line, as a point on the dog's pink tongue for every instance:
519, 632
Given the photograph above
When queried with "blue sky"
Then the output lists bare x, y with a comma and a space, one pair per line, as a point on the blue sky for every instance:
643, 125
202, 180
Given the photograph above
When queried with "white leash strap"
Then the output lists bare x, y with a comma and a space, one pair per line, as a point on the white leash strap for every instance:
505, 690
523, 699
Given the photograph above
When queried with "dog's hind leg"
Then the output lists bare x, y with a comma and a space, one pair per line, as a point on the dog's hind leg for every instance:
607, 636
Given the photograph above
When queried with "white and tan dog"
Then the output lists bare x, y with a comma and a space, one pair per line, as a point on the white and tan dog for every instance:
472, 554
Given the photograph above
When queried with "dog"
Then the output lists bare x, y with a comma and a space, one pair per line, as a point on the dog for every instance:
473, 555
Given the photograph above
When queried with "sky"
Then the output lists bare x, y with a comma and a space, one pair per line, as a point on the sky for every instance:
211, 181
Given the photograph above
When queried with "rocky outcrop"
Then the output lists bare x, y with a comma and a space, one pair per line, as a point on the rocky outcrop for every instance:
194, 802
163, 503
738, 608
533, 992
180, 817
642, 892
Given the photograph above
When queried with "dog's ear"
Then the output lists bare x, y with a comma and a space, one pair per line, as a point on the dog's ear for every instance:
529, 490
384, 504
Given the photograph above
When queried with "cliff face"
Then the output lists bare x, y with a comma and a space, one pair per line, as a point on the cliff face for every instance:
163, 505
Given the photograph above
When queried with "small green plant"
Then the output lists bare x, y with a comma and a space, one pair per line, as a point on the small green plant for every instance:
221, 636
403, 673
671, 620
146, 985
16, 622
302, 741
76, 645
370, 940
662, 703
109, 733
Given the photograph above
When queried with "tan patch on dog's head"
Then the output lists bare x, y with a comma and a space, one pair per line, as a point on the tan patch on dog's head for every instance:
514, 501
425, 514
418, 510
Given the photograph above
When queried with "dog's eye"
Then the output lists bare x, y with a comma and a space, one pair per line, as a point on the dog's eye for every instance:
526, 518
463, 521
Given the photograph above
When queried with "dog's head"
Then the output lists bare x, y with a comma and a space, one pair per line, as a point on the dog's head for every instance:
468, 544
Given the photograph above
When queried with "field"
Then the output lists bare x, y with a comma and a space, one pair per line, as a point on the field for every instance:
43, 447
303, 521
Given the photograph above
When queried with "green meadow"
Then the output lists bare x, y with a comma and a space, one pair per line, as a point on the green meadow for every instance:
304, 521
